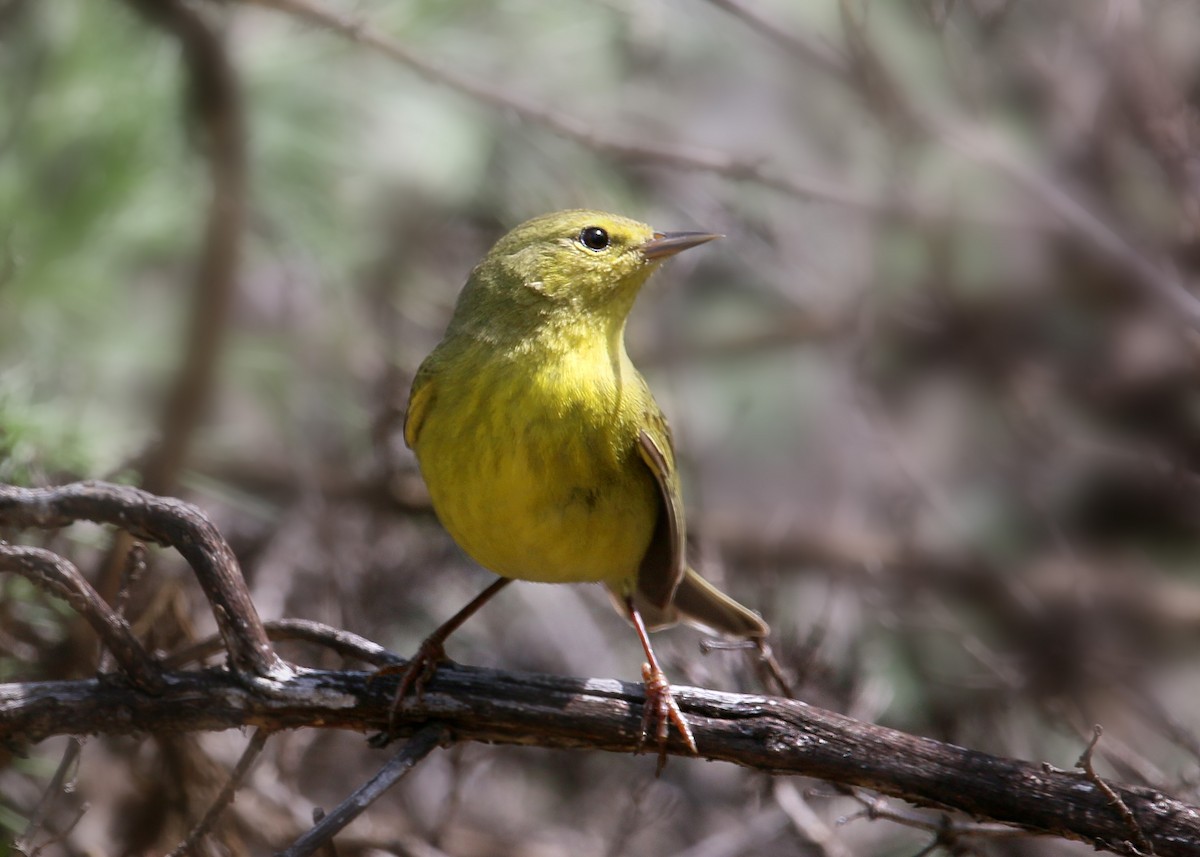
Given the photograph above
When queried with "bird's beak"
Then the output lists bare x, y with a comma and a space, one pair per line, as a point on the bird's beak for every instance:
665, 244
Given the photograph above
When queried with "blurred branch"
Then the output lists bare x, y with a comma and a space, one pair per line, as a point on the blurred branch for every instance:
225, 797
53, 791
772, 735
677, 156
414, 750
215, 109
1159, 280
1157, 108
879, 87
163, 521
819, 55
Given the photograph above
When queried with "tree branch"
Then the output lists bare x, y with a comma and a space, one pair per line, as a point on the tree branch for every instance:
416, 749
776, 736
163, 521
869, 77
52, 573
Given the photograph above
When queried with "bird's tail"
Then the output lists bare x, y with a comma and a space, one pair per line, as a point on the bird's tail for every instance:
697, 602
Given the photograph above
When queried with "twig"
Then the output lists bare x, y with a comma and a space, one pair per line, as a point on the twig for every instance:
416, 749
51, 573
135, 567
38, 817
225, 797
677, 156
751, 836
167, 522
60, 835
1159, 281
1085, 762
875, 808
345, 643
819, 55
806, 822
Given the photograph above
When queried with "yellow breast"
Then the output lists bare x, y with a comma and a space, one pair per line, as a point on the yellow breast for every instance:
537, 476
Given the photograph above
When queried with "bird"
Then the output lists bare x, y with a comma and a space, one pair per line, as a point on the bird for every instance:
545, 453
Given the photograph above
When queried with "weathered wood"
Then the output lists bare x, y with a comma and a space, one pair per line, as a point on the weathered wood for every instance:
777, 736
163, 521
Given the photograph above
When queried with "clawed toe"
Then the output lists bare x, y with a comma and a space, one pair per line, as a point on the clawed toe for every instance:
414, 674
659, 712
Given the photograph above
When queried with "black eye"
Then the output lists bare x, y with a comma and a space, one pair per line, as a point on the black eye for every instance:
593, 237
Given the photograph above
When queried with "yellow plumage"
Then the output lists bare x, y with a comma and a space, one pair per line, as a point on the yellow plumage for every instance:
539, 480
546, 456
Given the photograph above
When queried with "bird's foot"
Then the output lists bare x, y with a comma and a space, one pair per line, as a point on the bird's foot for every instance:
414, 674
659, 712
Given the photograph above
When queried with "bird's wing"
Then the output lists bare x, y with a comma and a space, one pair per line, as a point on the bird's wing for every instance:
667, 590
419, 400
664, 563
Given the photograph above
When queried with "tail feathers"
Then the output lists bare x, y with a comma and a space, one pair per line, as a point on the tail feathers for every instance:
699, 603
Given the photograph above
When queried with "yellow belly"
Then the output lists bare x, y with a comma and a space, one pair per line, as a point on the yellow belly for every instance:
540, 481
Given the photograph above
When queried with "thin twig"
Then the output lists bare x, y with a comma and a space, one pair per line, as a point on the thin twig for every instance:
163, 521
225, 797
51, 573
819, 55
37, 818
675, 155
135, 567
1084, 762
345, 643
876, 808
1159, 280
806, 822
416, 749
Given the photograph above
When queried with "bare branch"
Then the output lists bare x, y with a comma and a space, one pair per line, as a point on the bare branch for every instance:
70, 756
806, 822
225, 797
674, 155
1158, 280
163, 521
416, 749
819, 55
773, 735
345, 643
55, 575
1130, 820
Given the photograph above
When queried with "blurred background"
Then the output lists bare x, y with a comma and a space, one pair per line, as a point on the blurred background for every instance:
935, 396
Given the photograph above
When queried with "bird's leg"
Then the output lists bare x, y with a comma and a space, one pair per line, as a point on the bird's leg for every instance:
660, 709
421, 666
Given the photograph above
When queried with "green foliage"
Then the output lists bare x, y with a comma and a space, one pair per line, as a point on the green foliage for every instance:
89, 184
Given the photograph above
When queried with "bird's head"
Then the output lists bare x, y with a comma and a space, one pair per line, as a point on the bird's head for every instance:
577, 267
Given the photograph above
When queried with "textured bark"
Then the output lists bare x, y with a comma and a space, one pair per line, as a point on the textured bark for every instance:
772, 735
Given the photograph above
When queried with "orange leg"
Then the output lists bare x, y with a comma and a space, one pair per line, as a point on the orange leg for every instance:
421, 667
660, 709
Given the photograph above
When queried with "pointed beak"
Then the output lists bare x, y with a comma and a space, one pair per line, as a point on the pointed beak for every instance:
665, 244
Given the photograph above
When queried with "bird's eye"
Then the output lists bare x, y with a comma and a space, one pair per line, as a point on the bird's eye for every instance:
593, 237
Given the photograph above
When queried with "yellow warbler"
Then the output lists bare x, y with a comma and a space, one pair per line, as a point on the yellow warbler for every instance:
545, 454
